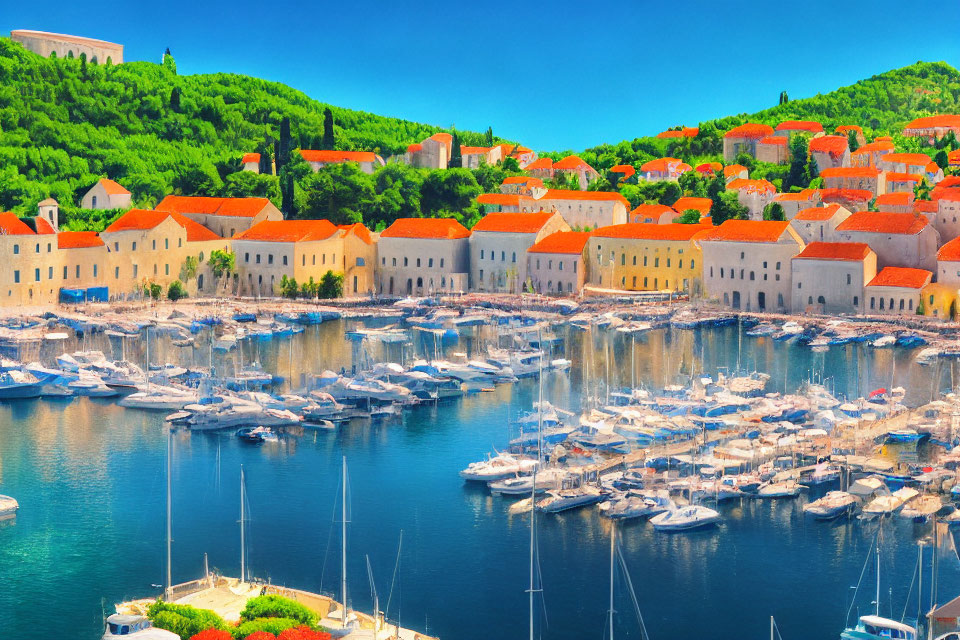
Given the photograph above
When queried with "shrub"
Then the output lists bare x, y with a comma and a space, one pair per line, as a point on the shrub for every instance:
303, 633
271, 626
183, 620
212, 634
176, 291
261, 635
273, 606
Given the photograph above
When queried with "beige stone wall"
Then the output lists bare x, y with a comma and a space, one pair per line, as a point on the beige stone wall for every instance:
894, 301
556, 273
750, 275
229, 226
582, 214
46, 43
359, 267
136, 257
831, 286
498, 260
644, 265
419, 266
899, 250
98, 198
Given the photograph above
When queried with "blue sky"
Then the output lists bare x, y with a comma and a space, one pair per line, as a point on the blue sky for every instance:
554, 75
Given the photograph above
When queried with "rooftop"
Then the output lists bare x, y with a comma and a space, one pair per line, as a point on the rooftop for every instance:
567, 194
909, 159
931, 122
817, 214
513, 222
833, 145
323, 155
849, 251
884, 222
750, 130
11, 225
250, 157
288, 231
950, 252
800, 125
569, 242
426, 228
78, 240
571, 163
233, 207
901, 277
673, 232
747, 231
850, 172
112, 188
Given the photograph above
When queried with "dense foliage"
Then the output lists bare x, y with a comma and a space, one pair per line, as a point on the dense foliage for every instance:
183, 620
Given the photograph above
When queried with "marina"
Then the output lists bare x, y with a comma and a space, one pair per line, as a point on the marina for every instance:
633, 428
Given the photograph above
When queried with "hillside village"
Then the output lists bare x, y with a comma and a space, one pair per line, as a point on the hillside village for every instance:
851, 226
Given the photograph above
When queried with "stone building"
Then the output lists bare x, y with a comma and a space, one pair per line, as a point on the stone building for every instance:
555, 264
319, 158
420, 256
744, 139
895, 291
106, 194
499, 244
864, 178
830, 151
899, 239
66, 46
829, 277
224, 216
819, 224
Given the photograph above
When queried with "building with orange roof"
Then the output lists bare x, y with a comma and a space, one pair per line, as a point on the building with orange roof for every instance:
152, 247
948, 263
303, 249
319, 158
789, 127
866, 178
523, 155
499, 244
583, 209
794, 202
709, 169
953, 158
664, 169
755, 195
522, 185
540, 168
901, 202
905, 162
687, 203
473, 157
250, 162
83, 259
733, 172
829, 277
870, 155
852, 199
746, 263
902, 182
774, 149
830, 151
431, 153
899, 239
818, 224
645, 257
574, 166
106, 194
895, 291
944, 213
422, 256
857, 130
683, 132
653, 214
505, 202
933, 127
555, 264
224, 216
627, 172
744, 139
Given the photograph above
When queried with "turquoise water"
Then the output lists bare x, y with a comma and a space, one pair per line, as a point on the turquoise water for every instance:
90, 480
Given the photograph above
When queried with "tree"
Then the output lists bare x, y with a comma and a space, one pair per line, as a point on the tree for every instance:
341, 193
690, 216
331, 285
222, 262
798, 175
784, 99
941, 159
288, 287
175, 99
188, 270
451, 193
197, 179
774, 211
728, 208
488, 137
852, 141
247, 184
328, 139
456, 160
168, 62
176, 291
153, 289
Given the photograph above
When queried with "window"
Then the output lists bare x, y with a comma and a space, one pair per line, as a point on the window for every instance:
503, 256
809, 299
481, 254
418, 262
116, 246
741, 255
116, 273
94, 271
634, 282
668, 263
778, 267
931, 299
799, 285
561, 265
135, 271
404, 260
154, 247
38, 247
16, 249
645, 283
644, 260
65, 272
721, 271
50, 273
285, 260
430, 263
656, 261
246, 257
49, 247
751, 275
711, 272
16, 276
514, 257
394, 262
361, 262
856, 301
313, 260
481, 275
179, 242
848, 281
93, 202
634, 260
574, 266
764, 264
303, 260
780, 299
270, 259
441, 266
166, 243
36, 275
538, 263
258, 258
872, 302
692, 265
680, 263
383, 262
623, 259
154, 268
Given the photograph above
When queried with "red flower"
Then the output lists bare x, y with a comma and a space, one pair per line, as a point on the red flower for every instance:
212, 634
261, 635
303, 633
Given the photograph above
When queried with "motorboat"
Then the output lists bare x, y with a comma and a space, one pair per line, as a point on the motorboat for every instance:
92, 385
637, 504
685, 518
832, 505
878, 628
546, 480
136, 627
821, 474
786, 489
257, 435
867, 487
565, 499
886, 505
16, 384
8, 506
80, 359
157, 397
905, 436
503, 465
921, 508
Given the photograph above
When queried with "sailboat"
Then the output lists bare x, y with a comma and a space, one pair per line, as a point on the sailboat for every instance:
340, 623
876, 627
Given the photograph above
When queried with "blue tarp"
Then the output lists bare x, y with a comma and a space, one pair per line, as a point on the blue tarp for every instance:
72, 296
98, 294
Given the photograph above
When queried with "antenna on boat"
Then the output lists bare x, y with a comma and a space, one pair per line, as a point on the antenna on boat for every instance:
613, 550
343, 546
166, 590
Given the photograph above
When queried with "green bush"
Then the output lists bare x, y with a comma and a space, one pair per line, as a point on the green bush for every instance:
176, 291
182, 619
273, 606
276, 626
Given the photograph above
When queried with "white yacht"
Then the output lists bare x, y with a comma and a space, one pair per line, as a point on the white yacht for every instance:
832, 505
637, 504
878, 628
157, 397
788, 489
8, 506
547, 479
90, 384
565, 499
503, 465
685, 518
885, 505
136, 627
868, 487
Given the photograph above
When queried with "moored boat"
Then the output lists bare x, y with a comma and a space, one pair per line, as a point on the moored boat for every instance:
685, 518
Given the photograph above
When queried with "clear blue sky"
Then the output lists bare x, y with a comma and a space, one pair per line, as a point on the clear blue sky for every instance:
553, 75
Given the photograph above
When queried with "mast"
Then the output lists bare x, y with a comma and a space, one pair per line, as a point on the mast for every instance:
613, 548
243, 546
878, 566
166, 591
343, 547
533, 530
539, 408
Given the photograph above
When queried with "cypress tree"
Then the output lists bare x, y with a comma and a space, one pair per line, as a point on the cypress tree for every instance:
489, 136
328, 139
175, 99
455, 159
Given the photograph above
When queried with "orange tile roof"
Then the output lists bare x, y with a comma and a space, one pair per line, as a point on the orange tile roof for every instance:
78, 240
900, 198
949, 182
357, 229
750, 130
733, 169
11, 225
901, 277
42, 227
513, 222
567, 242
571, 163
143, 219
817, 214
893, 176
747, 231
800, 125
112, 188
709, 167
426, 228
686, 203
950, 252
673, 232
951, 194
523, 180
327, 156
467, 151
909, 159
567, 194
415, 147
844, 129
662, 165
853, 195
850, 172
503, 199
804, 195
685, 132
883, 139
883, 222
196, 232
250, 157
779, 141
651, 211
233, 207
443, 138
834, 145
953, 157
539, 163
752, 185
874, 147
933, 167
932, 122
288, 231
626, 169
850, 251
925, 206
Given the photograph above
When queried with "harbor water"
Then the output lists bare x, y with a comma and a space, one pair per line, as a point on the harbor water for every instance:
90, 479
